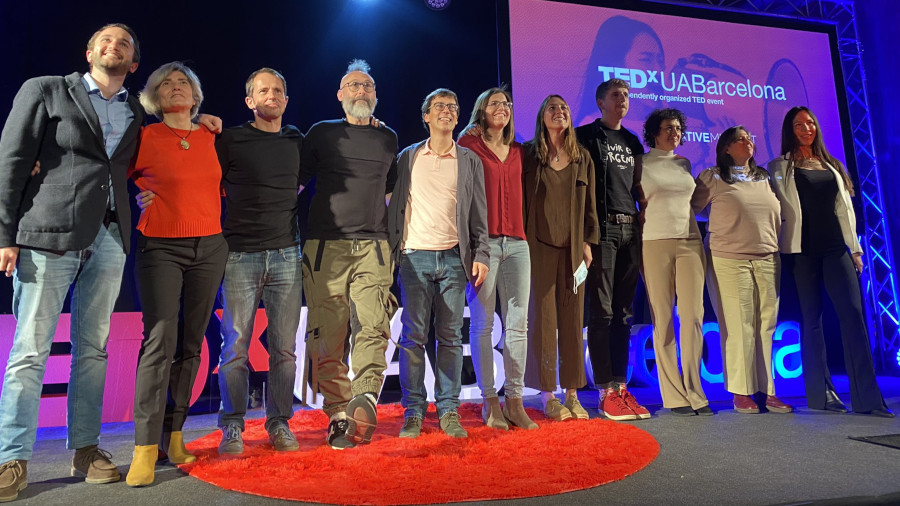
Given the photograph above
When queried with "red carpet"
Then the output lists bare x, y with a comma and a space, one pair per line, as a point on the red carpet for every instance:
490, 464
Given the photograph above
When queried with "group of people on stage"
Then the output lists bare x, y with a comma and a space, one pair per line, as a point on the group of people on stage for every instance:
573, 213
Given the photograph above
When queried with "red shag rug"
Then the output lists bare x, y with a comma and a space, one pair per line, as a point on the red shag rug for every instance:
434, 468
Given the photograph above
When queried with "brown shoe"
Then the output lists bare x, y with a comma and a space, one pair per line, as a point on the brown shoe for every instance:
576, 408
515, 414
13, 479
745, 404
556, 411
492, 414
95, 465
775, 405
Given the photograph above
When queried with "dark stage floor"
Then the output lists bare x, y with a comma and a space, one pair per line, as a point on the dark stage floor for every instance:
800, 458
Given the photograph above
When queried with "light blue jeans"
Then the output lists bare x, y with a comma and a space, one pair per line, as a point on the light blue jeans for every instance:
510, 276
431, 280
276, 277
40, 285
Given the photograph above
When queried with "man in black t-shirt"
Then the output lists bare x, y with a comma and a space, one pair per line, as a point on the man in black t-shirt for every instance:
612, 278
347, 261
260, 177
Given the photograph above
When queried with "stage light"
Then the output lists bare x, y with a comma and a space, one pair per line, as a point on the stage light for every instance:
437, 5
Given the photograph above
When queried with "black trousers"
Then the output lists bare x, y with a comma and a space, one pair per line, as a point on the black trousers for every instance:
611, 282
179, 278
837, 274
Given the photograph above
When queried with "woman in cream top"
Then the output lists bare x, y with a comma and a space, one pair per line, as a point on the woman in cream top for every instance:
674, 264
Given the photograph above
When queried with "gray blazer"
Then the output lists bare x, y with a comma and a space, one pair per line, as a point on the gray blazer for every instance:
62, 208
471, 206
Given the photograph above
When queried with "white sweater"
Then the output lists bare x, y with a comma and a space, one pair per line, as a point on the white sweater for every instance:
668, 186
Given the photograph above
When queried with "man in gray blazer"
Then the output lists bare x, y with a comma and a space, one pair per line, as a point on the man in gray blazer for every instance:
68, 226
437, 221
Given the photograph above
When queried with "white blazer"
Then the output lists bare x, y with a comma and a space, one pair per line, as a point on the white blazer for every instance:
781, 173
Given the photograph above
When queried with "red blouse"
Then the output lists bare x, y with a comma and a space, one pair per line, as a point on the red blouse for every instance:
502, 187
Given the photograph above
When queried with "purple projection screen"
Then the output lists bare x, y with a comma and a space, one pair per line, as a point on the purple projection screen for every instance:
719, 73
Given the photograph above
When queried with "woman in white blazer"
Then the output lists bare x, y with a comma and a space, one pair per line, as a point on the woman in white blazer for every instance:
825, 251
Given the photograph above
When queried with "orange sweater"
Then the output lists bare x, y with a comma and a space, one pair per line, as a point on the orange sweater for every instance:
186, 183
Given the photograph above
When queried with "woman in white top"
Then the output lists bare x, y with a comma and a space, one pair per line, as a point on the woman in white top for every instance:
825, 252
674, 264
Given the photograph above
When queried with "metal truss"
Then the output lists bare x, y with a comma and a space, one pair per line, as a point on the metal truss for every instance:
882, 309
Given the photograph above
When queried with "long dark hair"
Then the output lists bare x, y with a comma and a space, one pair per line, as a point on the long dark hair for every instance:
790, 145
724, 161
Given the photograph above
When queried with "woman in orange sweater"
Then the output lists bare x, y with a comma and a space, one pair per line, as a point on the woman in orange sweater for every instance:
180, 261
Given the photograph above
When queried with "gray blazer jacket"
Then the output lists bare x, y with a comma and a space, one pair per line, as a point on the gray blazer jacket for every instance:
471, 206
62, 208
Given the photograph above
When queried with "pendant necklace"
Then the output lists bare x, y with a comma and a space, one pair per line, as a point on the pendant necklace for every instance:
185, 145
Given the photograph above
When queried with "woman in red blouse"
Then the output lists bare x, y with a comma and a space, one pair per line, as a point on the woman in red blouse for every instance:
510, 267
180, 261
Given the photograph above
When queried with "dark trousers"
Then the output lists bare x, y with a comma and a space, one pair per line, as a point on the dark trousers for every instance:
837, 274
176, 275
612, 280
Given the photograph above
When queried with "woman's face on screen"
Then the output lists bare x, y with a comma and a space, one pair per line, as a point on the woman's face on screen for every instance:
645, 54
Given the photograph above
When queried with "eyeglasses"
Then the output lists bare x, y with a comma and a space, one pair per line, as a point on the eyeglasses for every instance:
670, 129
496, 104
369, 86
440, 106
744, 138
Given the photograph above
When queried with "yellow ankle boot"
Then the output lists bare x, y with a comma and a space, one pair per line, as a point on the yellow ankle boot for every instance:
142, 466
176, 451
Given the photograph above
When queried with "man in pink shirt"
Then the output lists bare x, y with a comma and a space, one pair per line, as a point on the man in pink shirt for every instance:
437, 221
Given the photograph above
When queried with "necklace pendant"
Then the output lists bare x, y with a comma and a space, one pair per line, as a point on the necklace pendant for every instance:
185, 145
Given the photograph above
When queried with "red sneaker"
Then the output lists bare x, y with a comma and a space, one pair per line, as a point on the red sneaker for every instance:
775, 405
745, 404
612, 406
641, 412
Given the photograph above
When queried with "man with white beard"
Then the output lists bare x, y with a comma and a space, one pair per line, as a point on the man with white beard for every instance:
346, 259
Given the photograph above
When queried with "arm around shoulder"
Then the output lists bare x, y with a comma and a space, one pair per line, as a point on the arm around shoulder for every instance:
703, 191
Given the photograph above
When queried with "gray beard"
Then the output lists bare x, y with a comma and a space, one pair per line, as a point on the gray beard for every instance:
358, 109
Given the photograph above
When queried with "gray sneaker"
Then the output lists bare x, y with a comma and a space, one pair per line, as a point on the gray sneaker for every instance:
412, 427
450, 425
13, 479
283, 439
232, 441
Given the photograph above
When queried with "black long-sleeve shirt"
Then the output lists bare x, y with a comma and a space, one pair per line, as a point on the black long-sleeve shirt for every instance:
260, 177
354, 167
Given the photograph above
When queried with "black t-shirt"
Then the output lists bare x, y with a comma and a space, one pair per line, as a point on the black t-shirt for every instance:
821, 231
619, 174
354, 168
260, 177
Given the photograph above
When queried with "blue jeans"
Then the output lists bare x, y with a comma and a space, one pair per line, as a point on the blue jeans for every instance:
275, 276
431, 279
41, 282
510, 275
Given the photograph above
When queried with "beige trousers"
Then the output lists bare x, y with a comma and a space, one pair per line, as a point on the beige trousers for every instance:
347, 283
747, 294
675, 268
